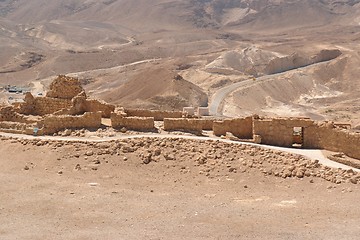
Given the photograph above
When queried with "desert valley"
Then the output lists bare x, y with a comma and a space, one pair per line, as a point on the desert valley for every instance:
179, 119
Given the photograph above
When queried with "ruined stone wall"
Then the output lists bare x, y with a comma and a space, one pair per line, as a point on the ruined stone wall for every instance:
9, 114
278, 131
326, 136
239, 127
207, 124
185, 124
13, 127
64, 87
156, 114
53, 124
92, 105
132, 123
42, 105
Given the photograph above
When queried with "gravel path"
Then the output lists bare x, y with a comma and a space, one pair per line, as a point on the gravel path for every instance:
313, 154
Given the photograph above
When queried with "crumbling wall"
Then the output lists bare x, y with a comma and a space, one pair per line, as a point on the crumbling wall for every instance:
327, 136
278, 131
239, 127
9, 114
42, 105
93, 105
132, 123
64, 87
53, 123
156, 114
17, 128
185, 124
80, 105
207, 124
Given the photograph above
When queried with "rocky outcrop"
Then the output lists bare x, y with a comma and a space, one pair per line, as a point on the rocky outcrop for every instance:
294, 61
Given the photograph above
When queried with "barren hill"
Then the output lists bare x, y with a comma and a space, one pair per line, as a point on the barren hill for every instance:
211, 44
158, 87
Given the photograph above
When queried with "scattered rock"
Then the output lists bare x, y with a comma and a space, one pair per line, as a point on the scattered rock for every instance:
77, 167
89, 153
169, 157
147, 159
354, 180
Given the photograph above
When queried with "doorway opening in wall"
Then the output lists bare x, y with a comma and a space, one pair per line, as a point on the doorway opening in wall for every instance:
298, 137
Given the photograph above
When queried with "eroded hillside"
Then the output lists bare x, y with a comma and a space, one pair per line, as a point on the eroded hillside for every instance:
128, 52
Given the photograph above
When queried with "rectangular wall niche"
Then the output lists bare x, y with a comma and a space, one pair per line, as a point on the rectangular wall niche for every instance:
298, 137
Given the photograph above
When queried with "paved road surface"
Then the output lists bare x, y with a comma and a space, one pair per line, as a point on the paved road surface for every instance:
215, 107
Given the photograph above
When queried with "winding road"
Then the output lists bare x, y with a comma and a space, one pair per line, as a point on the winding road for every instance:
216, 104
215, 107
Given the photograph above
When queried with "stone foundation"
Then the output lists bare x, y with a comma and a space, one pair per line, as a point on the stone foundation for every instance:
53, 124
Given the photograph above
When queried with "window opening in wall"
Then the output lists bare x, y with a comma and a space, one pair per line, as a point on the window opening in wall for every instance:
298, 137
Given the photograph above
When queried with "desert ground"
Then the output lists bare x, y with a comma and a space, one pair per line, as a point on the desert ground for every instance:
161, 188
285, 58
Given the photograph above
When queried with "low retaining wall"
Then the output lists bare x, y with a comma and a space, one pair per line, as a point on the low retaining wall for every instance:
186, 124
8, 114
156, 114
239, 127
328, 137
132, 123
53, 124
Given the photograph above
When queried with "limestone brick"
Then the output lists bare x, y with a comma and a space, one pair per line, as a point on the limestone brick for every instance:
186, 124
156, 114
132, 123
64, 87
239, 127
53, 123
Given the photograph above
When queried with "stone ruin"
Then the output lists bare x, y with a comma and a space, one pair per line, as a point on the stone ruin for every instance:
66, 106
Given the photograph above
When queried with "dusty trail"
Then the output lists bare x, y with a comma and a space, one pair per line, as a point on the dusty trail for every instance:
97, 72
313, 154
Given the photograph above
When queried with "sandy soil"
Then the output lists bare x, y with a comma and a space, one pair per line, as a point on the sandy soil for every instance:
56, 190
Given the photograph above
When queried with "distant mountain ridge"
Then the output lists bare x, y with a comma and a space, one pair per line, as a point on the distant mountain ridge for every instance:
198, 13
